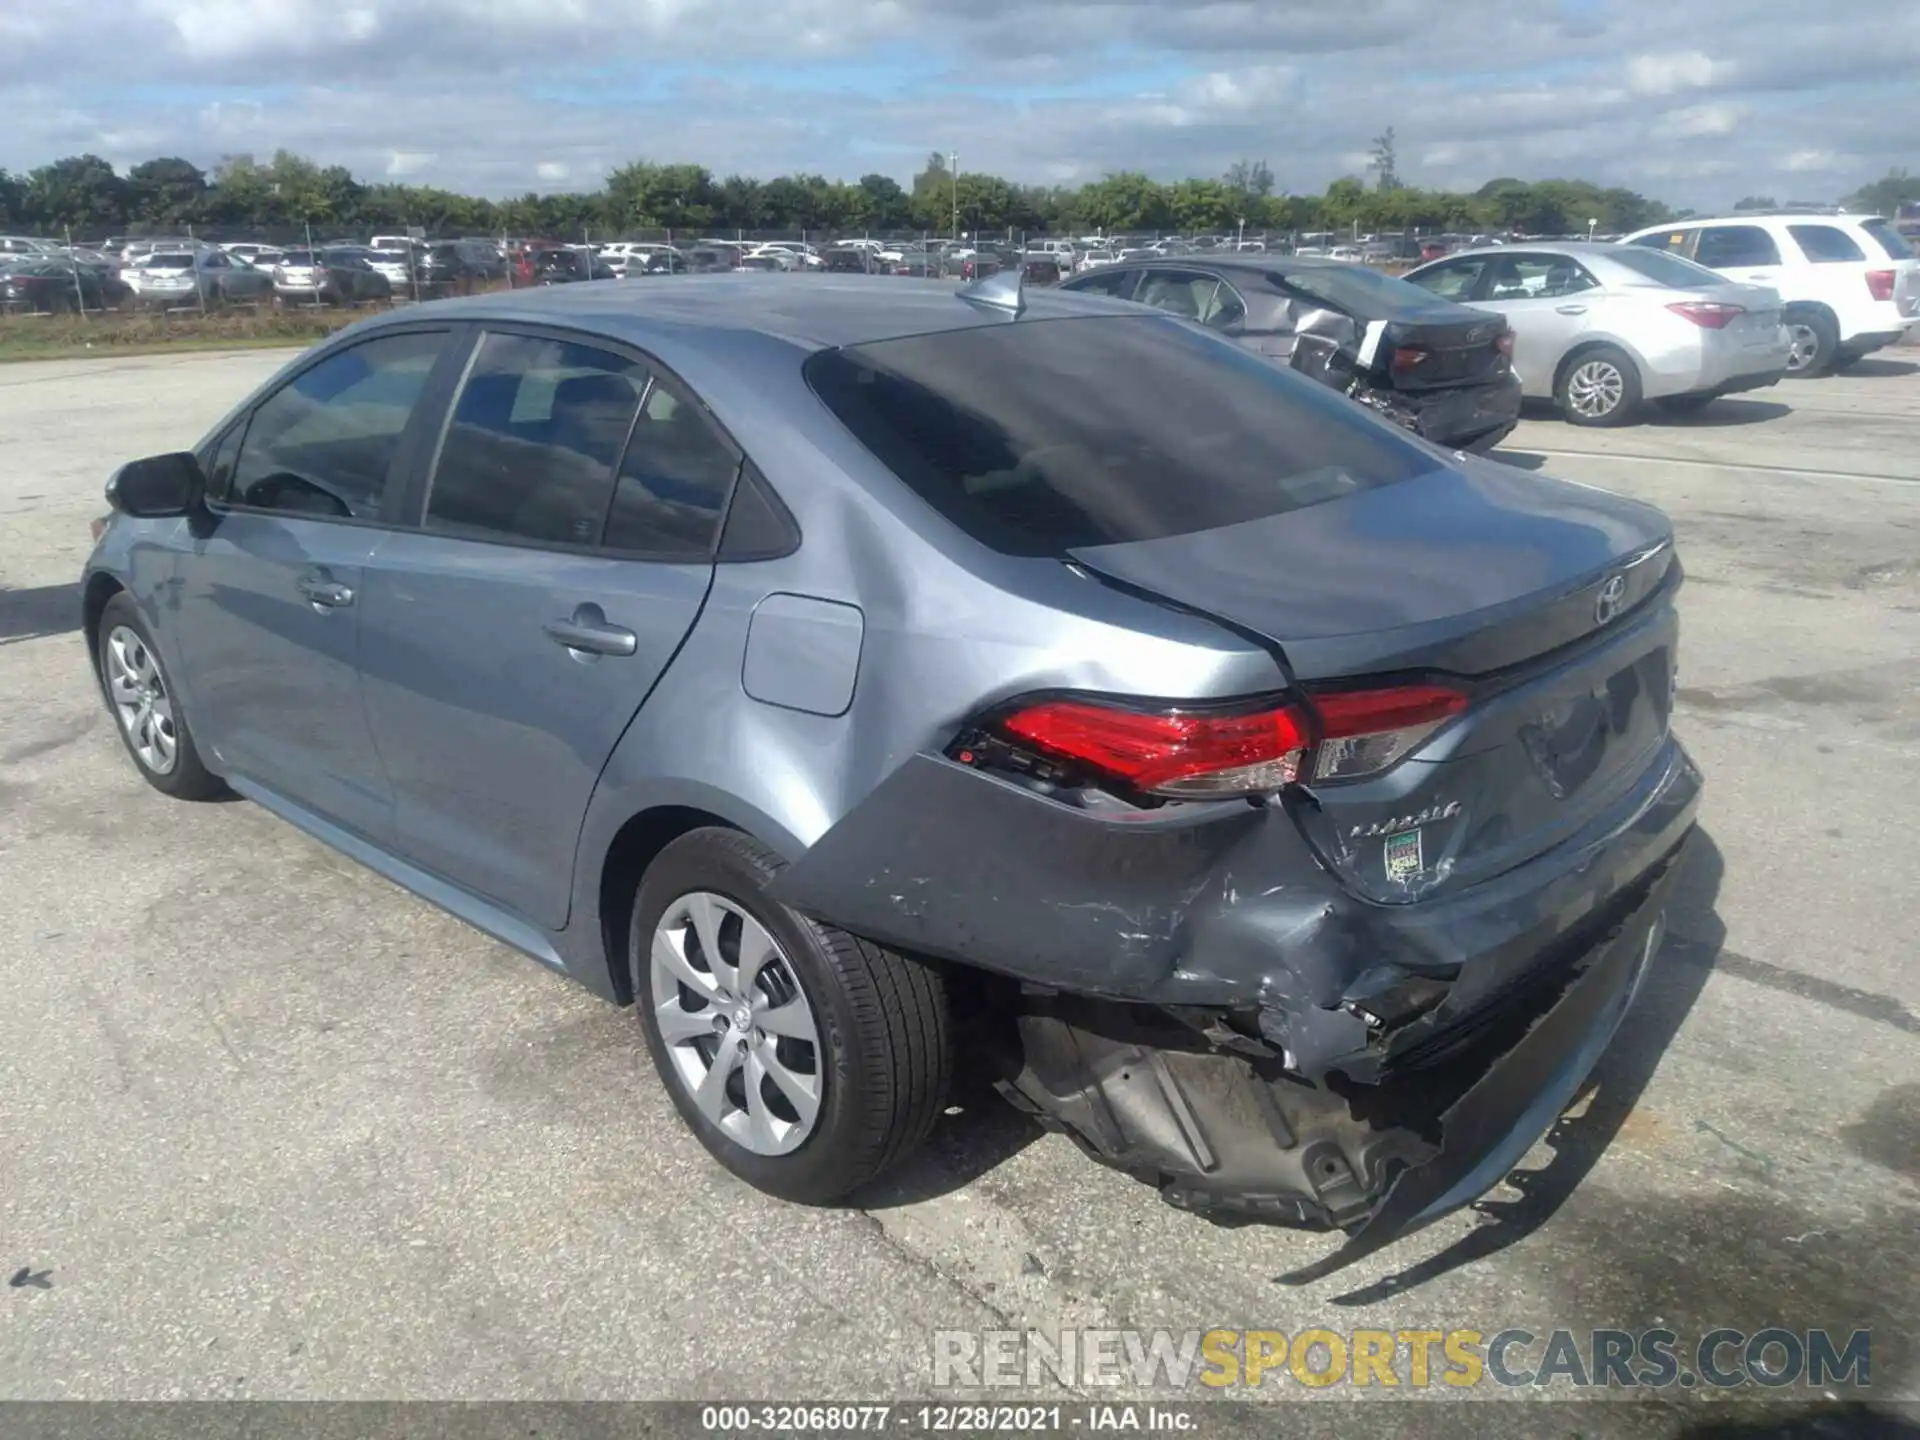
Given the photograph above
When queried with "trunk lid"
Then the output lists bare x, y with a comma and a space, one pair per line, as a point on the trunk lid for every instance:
1549, 603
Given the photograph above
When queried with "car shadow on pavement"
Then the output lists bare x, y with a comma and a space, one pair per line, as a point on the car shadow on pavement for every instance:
1519, 459
1581, 1136
977, 1132
1849, 1420
44, 610
1878, 367
1722, 414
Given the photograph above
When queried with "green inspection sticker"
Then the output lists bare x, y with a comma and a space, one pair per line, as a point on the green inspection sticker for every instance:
1402, 853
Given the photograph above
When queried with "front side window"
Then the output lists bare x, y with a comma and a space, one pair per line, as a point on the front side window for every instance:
1537, 277
1825, 244
1036, 439
1664, 240
532, 442
1729, 247
324, 443
1117, 283
1452, 279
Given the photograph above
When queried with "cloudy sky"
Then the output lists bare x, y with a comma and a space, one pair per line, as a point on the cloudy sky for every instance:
1697, 102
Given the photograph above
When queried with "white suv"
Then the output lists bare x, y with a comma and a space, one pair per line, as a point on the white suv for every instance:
1850, 283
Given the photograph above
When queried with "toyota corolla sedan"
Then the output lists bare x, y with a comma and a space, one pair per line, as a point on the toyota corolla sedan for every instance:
1283, 806
1599, 329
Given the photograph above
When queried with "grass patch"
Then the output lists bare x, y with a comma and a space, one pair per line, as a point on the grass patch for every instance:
64, 337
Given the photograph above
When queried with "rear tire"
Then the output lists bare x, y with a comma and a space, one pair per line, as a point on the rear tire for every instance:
146, 709
1815, 342
1598, 387
865, 1031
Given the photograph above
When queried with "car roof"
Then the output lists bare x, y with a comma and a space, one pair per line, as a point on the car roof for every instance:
1572, 249
819, 311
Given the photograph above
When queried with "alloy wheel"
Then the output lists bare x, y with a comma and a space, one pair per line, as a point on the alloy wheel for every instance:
140, 701
1803, 346
1595, 389
735, 1023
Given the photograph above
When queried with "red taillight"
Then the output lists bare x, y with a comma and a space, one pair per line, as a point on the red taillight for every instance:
1880, 284
1503, 342
1407, 357
1172, 752
1196, 754
1709, 314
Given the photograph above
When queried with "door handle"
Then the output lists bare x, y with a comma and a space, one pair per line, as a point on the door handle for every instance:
325, 594
1569, 309
589, 633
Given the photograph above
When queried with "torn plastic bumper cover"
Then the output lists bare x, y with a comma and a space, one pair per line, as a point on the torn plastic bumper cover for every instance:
1204, 1006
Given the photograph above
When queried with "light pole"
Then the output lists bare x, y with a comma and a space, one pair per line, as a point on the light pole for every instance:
953, 173
1591, 223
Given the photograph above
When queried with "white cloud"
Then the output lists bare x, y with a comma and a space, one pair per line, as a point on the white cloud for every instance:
1716, 119
500, 96
1668, 74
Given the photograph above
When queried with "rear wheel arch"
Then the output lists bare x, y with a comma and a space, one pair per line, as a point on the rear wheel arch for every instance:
634, 847
1586, 346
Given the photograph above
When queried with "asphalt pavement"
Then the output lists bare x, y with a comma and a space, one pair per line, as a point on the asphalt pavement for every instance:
270, 1127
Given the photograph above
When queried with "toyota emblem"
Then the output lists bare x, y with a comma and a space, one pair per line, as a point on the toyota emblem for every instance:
1611, 599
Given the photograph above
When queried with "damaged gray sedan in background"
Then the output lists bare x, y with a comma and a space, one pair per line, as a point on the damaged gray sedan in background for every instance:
1287, 805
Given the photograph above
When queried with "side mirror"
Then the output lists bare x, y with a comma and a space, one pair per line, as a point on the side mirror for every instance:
158, 486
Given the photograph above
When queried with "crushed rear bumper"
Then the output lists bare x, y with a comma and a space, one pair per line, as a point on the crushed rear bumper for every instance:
1200, 1003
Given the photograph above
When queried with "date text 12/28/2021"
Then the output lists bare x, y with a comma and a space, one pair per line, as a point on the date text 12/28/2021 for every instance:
962, 1419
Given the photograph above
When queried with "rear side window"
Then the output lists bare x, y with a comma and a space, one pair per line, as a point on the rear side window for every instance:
1117, 283
1040, 437
533, 440
1663, 267
674, 479
1825, 244
1888, 238
323, 444
1724, 247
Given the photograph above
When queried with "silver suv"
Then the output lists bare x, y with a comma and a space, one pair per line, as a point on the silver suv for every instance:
1850, 284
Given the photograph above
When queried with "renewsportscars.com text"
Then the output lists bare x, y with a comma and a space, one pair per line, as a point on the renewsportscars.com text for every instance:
1316, 1359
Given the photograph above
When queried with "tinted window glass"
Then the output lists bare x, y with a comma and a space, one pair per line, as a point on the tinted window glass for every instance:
1118, 283
322, 445
1451, 279
1725, 247
1664, 267
1825, 244
1357, 290
673, 481
1537, 277
1178, 292
1888, 238
1039, 438
220, 463
1664, 240
535, 434
1227, 309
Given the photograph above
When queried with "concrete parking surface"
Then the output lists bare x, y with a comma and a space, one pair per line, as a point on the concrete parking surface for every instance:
270, 1127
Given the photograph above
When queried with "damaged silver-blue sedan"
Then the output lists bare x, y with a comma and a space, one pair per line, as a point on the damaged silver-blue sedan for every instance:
834, 667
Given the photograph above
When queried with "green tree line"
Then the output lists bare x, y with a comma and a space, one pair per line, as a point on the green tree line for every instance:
86, 195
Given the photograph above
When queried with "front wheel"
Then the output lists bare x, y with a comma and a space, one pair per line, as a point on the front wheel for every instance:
1599, 387
806, 1060
146, 708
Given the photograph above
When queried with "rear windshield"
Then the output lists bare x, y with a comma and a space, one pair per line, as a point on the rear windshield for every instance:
297, 257
1888, 238
1665, 267
170, 262
1043, 436
1359, 291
